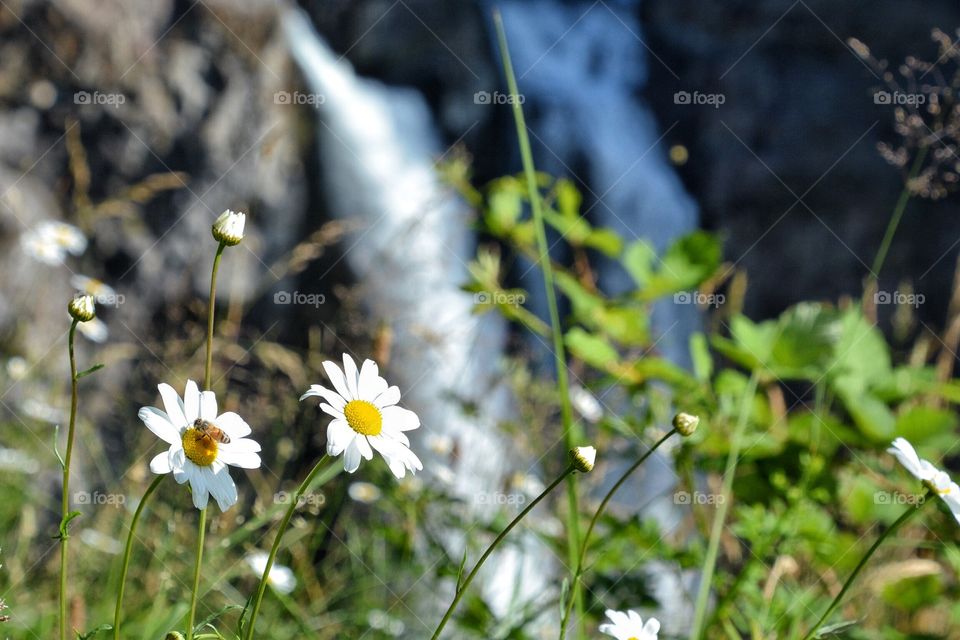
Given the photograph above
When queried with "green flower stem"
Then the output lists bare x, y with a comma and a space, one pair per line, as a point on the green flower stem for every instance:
902, 520
546, 267
716, 531
201, 532
284, 524
462, 588
593, 522
202, 527
127, 550
65, 499
213, 298
897, 214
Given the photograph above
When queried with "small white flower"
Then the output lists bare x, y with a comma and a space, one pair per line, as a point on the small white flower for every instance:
82, 308
933, 478
17, 368
281, 578
101, 291
50, 242
228, 228
366, 417
585, 403
629, 626
95, 330
365, 492
202, 443
583, 458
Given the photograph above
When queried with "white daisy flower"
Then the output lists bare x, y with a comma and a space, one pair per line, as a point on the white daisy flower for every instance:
95, 330
365, 417
228, 228
629, 626
202, 443
281, 578
585, 403
364, 492
102, 292
933, 478
50, 242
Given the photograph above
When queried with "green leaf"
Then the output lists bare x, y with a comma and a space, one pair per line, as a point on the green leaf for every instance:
638, 260
926, 425
592, 349
92, 369
65, 525
463, 563
606, 241
94, 632
700, 355
871, 415
208, 621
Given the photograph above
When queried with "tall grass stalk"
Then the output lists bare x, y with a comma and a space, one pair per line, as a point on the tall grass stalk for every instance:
720, 516
546, 267
897, 215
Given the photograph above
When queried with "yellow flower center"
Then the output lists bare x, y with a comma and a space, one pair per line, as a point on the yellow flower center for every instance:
200, 448
363, 417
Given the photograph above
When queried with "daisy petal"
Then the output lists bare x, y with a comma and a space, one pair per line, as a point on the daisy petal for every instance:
402, 419
161, 463
371, 384
339, 437
234, 426
191, 402
351, 374
332, 397
159, 424
336, 379
388, 397
351, 456
208, 405
172, 404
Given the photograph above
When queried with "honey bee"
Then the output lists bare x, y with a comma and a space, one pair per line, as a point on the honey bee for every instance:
211, 430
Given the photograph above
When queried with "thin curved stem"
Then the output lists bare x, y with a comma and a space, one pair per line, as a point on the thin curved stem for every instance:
198, 560
897, 214
546, 267
461, 589
909, 513
284, 524
713, 547
65, 499
593, 523
127, 550
213, 298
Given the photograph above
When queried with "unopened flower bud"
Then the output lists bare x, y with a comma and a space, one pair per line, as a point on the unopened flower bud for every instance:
583, 458
82, 309
228, 228
173, 635
685, 423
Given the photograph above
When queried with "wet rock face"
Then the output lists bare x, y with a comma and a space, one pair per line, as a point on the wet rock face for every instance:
799, 121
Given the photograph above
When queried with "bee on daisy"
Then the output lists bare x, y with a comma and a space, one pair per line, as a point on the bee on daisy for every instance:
366, 417
203, 443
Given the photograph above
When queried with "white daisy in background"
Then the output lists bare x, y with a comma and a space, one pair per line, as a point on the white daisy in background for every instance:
629, 626
364, 492
365, 417
585, 403
95, 330
202, 443
933, 478
50, 242
17, 368
103, 293
281, 578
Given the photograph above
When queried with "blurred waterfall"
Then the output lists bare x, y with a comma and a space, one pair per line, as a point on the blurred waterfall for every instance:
379, 144
582, 67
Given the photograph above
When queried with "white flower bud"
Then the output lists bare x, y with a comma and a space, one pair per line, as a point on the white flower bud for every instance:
228, 228
583, 458
81, 308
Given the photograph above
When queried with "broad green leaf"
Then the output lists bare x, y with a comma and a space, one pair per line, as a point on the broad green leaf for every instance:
700, 355
592, 349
